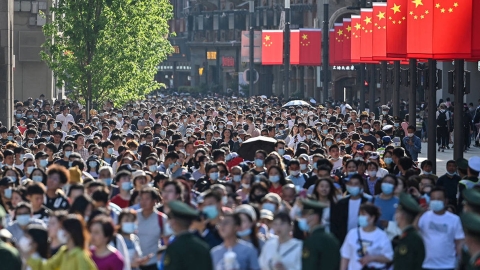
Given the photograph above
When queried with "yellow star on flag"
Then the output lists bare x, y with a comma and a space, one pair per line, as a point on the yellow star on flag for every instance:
349, 28
426, 12
340, 32
381, 15
396, 8
415, 17
403, 18
357, 26
399, 22
267, 38
455, 4
394, 22
442, 10
417, 3
437, 5
367, 20
421, 17
411, 12
450, 10
304, 37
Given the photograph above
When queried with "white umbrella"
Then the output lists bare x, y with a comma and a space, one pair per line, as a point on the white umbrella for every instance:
296, 103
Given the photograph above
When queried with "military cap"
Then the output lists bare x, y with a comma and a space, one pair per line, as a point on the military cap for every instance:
313, 205
471, 222
409, 204
472, 196
183, 210
462, 163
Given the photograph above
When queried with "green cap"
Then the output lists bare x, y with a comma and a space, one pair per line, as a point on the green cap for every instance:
313, 205
182, 210
462, 163
472, 196
409, 204
471, 222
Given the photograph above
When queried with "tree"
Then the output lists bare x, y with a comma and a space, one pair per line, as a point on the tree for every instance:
107, 49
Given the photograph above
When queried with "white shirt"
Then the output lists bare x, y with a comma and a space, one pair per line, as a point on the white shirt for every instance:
64, 120
353, 208
372, 243
439, 233
288, 253
299, 138
382, 172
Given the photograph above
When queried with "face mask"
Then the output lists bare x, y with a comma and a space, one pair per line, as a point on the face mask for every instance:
70, 163
128, 227
303, 167
213, 175
436, 205
228, 157
152, 168
62, 236
351, 173
110, 151
366, 130
23, 219
387, 188
126, 186
244, 233
372, 173
224, 200
427, 173
8, 193
303, 225
309, 136
259, 162
396, 124
171, 166
354, 191
37, 178
30, 170
410, 135
347, 145
237, 178
220, 126
388, 160
274, 178
269, 206
246, 185
29, 144
10, 138
25, 244
294, 173
43, 163
108, 181
281, 152
210, 211
68, 153
451, 174
92, 164
325, 131
163, 133
362, 221
119, 115
329, 143
384, 112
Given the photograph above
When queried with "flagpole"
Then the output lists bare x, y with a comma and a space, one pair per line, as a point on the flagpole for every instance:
396, 88
372, 86
383, 93
458, 131
361, 84
286, 43
325, 51
412, 95
432, 114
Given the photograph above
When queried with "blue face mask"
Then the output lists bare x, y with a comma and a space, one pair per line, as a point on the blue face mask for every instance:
210, 211
152, 168
325, 131
68, 153
108, 181
171, 165
43, 163
315, 166
387, 188
362, 221
70, 163
8, 193
436, 205
23, 220
30, 170
303, 225
388, 160
274, 178
92, 164
269, 206
259, 162
366, 130
329, 143
110, 151
244, 233
37, 178
126, 186
10, 138
128, 227
354, 191
213, 175
237, 178
281, 152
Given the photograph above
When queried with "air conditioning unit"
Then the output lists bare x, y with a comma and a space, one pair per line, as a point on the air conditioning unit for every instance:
34, 7
25, 6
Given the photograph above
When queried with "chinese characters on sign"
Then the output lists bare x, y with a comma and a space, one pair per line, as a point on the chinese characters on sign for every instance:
212, 55
228, 61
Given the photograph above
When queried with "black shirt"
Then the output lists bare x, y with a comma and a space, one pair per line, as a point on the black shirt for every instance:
42, 214
451, 186
59, 202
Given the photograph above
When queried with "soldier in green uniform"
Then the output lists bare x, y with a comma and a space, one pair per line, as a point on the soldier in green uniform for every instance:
320, 249
186, 251
410, 250
471, 179
9, 256
471, 204
471, 227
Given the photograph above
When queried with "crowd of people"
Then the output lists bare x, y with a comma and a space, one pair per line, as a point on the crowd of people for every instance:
166, 183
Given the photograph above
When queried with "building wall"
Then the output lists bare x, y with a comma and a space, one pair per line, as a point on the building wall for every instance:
6, 55
32, 76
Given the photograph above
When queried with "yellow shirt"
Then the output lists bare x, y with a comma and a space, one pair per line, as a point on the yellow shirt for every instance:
75, 259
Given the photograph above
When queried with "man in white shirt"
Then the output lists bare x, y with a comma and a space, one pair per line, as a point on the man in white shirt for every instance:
64, 118
442, 233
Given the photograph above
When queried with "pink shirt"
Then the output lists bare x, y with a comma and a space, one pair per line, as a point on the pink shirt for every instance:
113, 261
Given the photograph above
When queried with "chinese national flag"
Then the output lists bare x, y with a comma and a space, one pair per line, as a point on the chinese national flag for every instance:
332, 61
476, 30
305, 47
272, 47
420, 28
367, 34
396, 28
379, 36
338, 42
347, 41
355, 38
452, 28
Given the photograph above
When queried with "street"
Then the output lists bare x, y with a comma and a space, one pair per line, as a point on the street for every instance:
443, 157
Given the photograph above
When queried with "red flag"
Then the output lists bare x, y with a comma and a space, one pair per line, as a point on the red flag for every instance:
396, 28
305, 47
347, 41
338, 42
379, 36
355, 37
420, 28
332, 61
272, 47
476, 30
367, 34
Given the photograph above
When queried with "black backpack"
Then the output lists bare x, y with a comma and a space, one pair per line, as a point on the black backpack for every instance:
442, 119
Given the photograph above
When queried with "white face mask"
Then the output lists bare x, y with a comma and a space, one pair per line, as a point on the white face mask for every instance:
410, 134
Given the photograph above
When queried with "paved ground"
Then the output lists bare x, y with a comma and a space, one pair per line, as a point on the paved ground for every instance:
442, 158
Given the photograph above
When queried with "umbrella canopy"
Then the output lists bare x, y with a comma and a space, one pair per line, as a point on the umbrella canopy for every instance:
296, 103
250, 146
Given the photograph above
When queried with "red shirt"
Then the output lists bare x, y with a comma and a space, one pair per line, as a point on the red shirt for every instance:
277, 190
122, 203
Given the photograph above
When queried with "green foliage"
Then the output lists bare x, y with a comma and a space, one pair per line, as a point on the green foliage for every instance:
108, 49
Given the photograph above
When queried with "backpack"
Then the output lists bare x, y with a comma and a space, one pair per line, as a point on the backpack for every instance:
442, 119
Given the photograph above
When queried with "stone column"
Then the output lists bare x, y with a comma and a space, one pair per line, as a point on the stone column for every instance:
6, 62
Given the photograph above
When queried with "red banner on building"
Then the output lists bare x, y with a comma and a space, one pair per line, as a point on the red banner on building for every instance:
305, 47
272, 47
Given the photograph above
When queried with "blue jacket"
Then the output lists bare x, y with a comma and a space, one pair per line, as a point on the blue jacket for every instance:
415, 148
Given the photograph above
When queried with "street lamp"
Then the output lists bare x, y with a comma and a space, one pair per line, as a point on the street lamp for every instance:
287, 48
325, 50
251, 7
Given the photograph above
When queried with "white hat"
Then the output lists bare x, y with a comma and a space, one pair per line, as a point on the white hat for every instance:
266, 214
387, 127
138, 173
348, 107
474, 163
247, 210
229, 123
310, 113
28, 156
304, 157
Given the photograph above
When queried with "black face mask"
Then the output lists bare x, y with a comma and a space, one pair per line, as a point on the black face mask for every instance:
257, 198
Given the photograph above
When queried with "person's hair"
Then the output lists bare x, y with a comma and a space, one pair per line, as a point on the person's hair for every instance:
211, 194
331, 195
101, 194
398, 152
262, 152
283, 180
39, 235
430, 163
406, 163
394, 177
80, 204
152, 191
372, 210
106, 223
74, 225
23, 205
439, 189
61, 171
283, 216
35, 188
